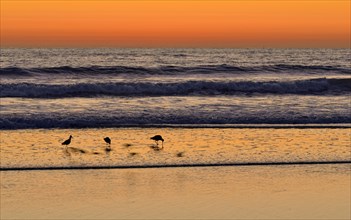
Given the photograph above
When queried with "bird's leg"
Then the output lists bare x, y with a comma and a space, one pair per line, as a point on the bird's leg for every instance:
162, 144
156, 143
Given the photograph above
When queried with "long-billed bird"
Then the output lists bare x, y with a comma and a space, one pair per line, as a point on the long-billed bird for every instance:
68, 141
157, 138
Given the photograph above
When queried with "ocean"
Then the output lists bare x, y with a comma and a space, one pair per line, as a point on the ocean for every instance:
108, 88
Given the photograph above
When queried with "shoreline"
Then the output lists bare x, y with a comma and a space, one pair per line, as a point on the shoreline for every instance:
174, 165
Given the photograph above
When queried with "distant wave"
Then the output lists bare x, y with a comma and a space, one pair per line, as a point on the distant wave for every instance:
285, 163
310, 86
171, 70
180, 119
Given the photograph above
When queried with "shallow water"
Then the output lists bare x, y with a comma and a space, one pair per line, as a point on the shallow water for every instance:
133, 147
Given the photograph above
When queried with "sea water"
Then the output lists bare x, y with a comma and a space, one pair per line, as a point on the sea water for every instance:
95, 88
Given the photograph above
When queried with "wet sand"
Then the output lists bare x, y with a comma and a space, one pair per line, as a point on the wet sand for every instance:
293, 174
254, 192
41, 148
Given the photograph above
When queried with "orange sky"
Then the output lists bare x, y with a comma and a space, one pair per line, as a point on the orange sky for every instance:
114, 23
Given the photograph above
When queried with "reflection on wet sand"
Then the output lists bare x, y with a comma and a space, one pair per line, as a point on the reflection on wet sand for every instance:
255, 192
184, 146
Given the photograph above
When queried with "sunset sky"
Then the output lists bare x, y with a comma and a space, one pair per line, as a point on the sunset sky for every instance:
114, 23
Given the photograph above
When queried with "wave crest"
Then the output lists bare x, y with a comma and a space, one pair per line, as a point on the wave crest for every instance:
310, 86
169, 70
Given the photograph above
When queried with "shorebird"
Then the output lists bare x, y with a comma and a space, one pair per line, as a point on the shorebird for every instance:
68, 141
108, 141
157, 138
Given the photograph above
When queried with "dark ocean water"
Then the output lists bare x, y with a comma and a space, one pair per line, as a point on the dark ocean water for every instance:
92, 88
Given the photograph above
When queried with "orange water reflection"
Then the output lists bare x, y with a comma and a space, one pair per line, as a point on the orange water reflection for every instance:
255, 192
132, 146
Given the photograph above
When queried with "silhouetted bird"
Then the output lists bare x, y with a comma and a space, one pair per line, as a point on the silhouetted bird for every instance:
157, 138
68, 141
107, 140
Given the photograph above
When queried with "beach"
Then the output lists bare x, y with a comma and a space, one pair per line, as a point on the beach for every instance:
189, 110
287, 189
192, 110
248, 133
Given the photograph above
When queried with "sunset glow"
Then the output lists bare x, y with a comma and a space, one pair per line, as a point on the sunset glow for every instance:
175, 23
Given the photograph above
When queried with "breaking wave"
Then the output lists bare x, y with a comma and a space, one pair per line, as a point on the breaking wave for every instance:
310, 86
180, 119
171, 70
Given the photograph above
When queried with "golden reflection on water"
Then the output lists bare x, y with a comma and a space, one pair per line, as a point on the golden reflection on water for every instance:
255, 192
133, 146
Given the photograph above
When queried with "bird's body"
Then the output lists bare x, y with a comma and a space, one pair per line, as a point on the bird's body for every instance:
68, 141
107, 140
157, 138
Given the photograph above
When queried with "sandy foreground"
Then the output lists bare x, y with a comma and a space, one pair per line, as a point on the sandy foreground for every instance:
255, 192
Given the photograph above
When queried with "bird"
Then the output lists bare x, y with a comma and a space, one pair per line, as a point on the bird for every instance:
157, 138
68, 141
107, 140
